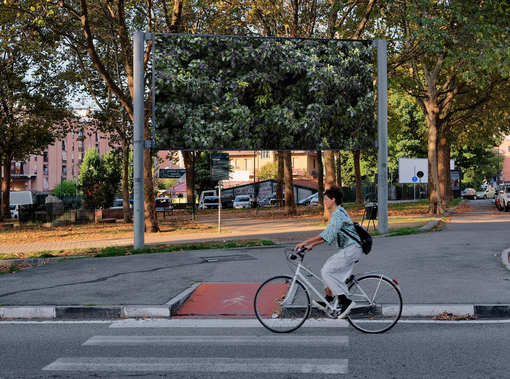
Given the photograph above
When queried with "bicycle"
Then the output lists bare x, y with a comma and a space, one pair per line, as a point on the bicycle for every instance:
282, 303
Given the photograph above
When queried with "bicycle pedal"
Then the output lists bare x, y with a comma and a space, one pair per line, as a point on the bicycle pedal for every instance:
332, 314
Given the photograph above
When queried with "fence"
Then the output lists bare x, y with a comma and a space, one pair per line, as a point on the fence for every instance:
53, 212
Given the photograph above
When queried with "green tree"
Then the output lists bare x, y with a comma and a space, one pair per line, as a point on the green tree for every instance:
268, 171
100, 178
33, 102
66, 188
454, 60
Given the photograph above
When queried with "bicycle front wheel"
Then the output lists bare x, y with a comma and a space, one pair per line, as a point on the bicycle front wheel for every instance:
282, 305
378, 304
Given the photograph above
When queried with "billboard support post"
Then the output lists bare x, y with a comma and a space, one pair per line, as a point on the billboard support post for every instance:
382, 127
138, 140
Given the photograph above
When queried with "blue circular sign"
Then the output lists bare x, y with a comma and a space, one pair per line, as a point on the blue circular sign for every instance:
415, 179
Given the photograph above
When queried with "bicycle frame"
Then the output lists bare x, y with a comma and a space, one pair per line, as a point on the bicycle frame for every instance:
299, 275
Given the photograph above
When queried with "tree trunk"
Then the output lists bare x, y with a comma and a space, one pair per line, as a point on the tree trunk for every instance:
329, 160
356, 154
281, 176
151, 216
338, 155
6, 187
128, 215
190, 174
443, 161
320, 178
290, 204
435, 202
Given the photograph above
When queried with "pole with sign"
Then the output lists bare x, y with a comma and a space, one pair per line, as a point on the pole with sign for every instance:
220, 170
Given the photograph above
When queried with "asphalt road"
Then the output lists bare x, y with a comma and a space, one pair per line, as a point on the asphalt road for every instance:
142, 350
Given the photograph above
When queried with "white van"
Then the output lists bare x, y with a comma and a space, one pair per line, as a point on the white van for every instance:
21, 197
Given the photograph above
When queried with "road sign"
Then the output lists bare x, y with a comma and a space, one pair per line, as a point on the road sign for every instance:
415, 179
172, 173
419, 174
220, 169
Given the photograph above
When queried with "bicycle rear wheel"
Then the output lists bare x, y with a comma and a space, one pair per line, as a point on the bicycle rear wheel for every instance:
385, 306
280, 306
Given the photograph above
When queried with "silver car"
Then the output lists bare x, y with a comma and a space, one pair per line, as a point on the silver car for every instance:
242, 202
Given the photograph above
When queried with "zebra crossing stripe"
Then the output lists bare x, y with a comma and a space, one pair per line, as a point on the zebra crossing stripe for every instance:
217, 323
269, 340
253, 365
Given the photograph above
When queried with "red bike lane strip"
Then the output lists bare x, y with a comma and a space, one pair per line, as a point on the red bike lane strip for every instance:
220, 300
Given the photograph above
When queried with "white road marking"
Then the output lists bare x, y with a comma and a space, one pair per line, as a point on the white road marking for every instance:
253, 365
270, 340
217, 323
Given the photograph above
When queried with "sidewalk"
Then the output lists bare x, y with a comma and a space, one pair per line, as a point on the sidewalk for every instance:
458, 270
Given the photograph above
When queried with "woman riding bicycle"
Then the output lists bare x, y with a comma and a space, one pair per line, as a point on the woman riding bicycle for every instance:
339, 267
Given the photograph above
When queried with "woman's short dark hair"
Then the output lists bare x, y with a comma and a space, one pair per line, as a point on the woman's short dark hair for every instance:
335, 192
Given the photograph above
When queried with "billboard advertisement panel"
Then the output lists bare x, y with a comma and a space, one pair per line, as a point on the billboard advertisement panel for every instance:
409, 168
253, 93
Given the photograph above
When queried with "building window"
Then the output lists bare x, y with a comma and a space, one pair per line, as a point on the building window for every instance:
64, 145
45, 169
97, 137
45, 184
45, 156
265, 154
80, 134
35, 158
64, 170
35, 169
97, 147
80, 144
64, 156
72, 158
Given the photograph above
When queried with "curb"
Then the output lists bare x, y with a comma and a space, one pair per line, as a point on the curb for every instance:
505, 256
431, 224
76, 313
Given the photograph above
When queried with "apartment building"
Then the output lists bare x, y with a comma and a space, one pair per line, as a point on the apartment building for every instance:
304, 163
59, 161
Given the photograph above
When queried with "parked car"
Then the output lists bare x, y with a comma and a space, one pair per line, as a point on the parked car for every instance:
265, 202
119, 204
307, 201
163, 204
504, 197
485, 193
315, 199
242, 201
14, 210
211, 202
274, 201
469, 193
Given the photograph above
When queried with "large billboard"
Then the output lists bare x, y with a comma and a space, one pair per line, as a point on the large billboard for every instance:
249, 93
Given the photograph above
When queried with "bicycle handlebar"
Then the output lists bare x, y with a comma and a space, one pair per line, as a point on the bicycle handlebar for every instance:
301, 252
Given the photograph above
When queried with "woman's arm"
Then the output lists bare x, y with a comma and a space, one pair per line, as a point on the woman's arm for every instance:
310, 242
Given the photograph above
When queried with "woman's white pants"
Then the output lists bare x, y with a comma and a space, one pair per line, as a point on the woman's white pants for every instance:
339, 267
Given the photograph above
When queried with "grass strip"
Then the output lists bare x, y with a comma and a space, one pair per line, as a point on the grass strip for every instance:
116, 251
